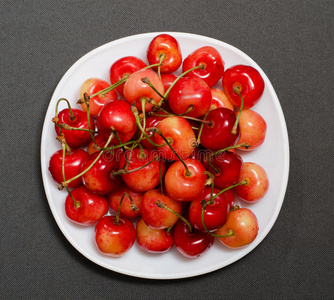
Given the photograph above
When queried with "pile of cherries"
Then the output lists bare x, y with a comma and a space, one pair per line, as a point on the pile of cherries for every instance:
155, 158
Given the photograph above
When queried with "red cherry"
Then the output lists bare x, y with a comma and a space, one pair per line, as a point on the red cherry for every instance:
124, 66
227, 166
153, 240
127, 208
167, 80
253, 129
150, 122
218, 135
89, 209
257, 185
190, 91
182, 186
156, 217
117, 116
249, 82
75, 138
243, 223
72, 166
114, 238
100, 140
191, 244
147, 177
212, 61
99, 178
166, 45
92, 86
135, 90
215, 214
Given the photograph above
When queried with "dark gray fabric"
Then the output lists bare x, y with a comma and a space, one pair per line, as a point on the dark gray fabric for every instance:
292, 41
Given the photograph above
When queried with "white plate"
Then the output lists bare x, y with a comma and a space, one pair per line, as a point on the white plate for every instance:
273, 156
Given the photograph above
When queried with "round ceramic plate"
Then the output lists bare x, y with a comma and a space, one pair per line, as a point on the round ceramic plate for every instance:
273, 156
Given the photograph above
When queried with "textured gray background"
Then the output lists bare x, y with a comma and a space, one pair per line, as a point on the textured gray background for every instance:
292, 41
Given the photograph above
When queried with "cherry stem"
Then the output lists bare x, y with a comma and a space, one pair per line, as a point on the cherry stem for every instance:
136, 114
116, 222
106, 90
245, 145
237, 90
201, 129
147, 81
229, 232
162, 205
126, 171
72, 116
65, 183
243, 182
162, 57
161, 178
158, 131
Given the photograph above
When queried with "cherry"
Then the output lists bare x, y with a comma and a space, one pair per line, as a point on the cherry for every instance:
114, 237
153, 240
167, 80
72, 166
99, 178
116, 116
215, 211
190, 92
212, 61
140, 169
131, 205
247, 80
226, 167
253, 129
68, 120
219, 99
97, 144
164, 49
179, 135
185, 184
124, 67
243, 224
84, 207
150, 122
138, 89
257, 182
156, 217
191, 243
92, 86
218, 134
